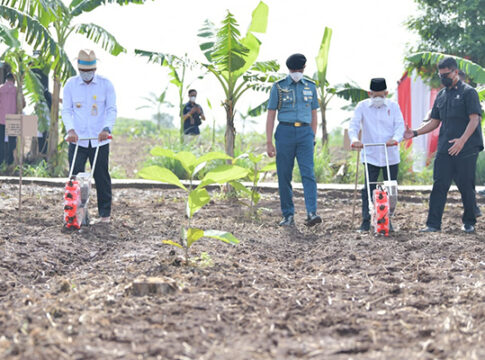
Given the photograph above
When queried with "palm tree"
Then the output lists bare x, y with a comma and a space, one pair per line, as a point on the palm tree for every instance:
56, 20
156, 102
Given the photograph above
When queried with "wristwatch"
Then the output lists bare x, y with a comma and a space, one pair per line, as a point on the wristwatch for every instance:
415, 133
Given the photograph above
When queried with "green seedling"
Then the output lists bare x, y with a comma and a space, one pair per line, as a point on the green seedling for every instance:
255, 174
197, 197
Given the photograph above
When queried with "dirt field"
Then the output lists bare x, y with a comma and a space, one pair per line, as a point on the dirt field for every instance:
325, 293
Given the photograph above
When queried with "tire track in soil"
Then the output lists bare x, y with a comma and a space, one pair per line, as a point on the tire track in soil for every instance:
322, 293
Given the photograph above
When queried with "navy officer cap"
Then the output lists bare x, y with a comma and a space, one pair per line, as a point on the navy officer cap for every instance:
378, 84
296, 62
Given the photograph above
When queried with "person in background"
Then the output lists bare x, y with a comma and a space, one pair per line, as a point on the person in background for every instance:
89, 111
457, 109
296, 101
193, 116
43, 107
8, 105
381, 121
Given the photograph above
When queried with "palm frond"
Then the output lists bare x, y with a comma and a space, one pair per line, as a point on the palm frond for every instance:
9, 36
35, 33
258, 110
78, 7
351, 92
100, 36
229, 53
208, 32
33, 85
42, 10
259, 23
425, 63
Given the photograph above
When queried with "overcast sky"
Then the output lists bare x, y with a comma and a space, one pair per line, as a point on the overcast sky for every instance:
369, 40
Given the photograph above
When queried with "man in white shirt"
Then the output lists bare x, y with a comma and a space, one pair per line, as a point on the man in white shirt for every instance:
381, 121
89, 111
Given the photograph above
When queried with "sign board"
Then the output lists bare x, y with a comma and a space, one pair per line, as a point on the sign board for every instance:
20, 125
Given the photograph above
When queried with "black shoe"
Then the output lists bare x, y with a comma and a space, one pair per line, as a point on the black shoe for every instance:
429, 229
365, 226
391, 228
313, 219
287, 221
469, 229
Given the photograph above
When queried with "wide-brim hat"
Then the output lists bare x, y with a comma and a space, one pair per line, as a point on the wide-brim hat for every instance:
86, 60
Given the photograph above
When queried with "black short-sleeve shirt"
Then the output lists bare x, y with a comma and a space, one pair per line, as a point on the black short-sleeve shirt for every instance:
453, 107
192, 127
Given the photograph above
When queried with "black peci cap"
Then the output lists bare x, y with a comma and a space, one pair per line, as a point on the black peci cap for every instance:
378, 84
296, 62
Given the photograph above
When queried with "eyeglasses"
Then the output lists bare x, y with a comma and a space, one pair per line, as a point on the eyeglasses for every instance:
444, 75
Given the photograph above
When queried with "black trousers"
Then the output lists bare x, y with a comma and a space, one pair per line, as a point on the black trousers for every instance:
42, 142
3, 144
447, 168
373, 176
11, 146
101, 173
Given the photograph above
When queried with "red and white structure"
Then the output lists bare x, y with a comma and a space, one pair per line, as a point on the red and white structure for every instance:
416, 99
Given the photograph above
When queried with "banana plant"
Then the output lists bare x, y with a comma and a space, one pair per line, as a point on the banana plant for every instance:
425, 63
54, 20
178, 70
348, 91
21, 67
196, 197
232, 60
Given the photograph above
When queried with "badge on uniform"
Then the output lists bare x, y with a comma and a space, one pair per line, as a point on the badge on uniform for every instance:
94, 109
78, 105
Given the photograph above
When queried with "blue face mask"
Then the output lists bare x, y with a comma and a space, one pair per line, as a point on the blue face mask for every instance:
87, 75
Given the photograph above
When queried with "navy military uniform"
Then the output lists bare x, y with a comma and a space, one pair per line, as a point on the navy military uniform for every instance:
191, 124
452, 107
294, 137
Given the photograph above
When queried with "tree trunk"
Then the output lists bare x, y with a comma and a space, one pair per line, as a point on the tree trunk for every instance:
20, 108
54, 125
323, 110
34, 148
181, 114
230, 135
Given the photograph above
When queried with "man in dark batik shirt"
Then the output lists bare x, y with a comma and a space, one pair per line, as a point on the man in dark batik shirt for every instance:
457, 109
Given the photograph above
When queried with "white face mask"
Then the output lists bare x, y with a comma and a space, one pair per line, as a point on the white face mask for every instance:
296, 76
192, 99
87, 75
377, 101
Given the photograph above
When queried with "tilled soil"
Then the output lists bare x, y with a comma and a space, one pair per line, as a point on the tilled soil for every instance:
321, 293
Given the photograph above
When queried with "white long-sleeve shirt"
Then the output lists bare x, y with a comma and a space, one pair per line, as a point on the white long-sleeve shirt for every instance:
378, 125
89, 108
